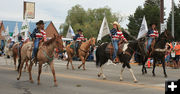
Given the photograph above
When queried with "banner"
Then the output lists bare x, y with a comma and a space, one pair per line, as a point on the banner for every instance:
104, 30
25, 29
16, 31
29, 10
144, 29
70, 32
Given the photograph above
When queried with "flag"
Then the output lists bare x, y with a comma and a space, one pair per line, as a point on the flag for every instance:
16, 31
70, 32
104, 30
25, 29
144, 29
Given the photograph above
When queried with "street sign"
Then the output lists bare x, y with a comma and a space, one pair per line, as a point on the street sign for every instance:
29, 10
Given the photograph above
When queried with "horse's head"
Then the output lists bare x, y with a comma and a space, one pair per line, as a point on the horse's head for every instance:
92, 41
59, 42
168, 35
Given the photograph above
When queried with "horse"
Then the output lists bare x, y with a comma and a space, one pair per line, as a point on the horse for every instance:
15, 55
44, 55
125, 53
83, 52
157, 53
124, 56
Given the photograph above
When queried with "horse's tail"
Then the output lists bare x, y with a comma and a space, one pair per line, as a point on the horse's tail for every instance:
97, 58
19, 60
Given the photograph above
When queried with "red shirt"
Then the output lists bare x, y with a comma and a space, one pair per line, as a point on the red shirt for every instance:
119, 35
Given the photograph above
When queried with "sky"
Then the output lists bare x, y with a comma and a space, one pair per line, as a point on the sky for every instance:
56, 10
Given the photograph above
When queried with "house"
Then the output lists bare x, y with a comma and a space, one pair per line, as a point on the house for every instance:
49, 27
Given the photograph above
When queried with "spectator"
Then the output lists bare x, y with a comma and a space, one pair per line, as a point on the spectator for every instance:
177, 50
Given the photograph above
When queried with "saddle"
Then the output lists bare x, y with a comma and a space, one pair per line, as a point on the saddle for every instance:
110, 49
151, 48
72, 46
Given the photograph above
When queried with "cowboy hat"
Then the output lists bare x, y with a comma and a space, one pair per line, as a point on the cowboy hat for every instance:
79, 30
116, 23
40, 22
153, 24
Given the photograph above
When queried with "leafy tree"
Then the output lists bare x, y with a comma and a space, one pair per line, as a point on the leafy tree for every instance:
88, 20
151, 11
176, 22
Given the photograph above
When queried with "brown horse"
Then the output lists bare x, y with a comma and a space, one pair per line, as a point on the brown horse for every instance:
16, 56
83, 52
44, 55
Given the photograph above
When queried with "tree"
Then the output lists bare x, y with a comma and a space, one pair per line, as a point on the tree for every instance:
88, 20
176, 22
151, 11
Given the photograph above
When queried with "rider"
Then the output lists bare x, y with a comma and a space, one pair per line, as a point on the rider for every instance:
20, 40
152, 34
12, 39
116, 35
40, 34
78, 38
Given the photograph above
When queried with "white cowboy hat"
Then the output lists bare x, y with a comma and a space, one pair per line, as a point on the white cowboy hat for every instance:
116, 23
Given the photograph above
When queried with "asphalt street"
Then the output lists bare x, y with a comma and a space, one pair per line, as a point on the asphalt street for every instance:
79, 81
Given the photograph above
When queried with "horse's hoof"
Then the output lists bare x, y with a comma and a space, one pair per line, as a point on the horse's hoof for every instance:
55, 85
98, 75
135, 81
165, 76
79, 67
38, 84
31, 81
154, 75
104, 78
121, 79
17, 78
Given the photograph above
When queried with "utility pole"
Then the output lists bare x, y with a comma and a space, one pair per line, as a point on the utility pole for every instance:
172, 18
162, 16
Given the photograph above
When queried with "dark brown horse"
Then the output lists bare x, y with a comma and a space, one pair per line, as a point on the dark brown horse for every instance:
157, 53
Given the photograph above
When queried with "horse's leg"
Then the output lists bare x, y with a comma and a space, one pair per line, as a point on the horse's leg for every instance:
122, 69
39, 72
53, 72
14, 58
164, 69
20, 69
67, 66
132, 73
29, 69
71, 64
82, 59
26, 66
154, 65
102, 73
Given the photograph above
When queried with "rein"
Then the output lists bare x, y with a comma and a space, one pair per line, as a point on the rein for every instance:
49, 58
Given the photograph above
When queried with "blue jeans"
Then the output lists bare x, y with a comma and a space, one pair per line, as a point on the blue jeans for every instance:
2, 45
20, 45
115, 45
150, 39
11, 44
36, 46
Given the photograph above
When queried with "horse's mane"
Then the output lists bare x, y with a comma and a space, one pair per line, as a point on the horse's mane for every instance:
48, 42
128, 36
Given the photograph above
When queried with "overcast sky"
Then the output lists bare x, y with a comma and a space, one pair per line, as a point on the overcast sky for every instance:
56, 10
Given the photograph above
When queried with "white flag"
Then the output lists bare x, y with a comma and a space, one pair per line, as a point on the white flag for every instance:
70, 32
144, 29
15, 33
25, 29
104, 30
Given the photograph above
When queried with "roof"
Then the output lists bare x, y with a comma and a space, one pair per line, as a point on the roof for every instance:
11, 25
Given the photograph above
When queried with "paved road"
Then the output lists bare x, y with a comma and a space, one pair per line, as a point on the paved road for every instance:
79, 81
